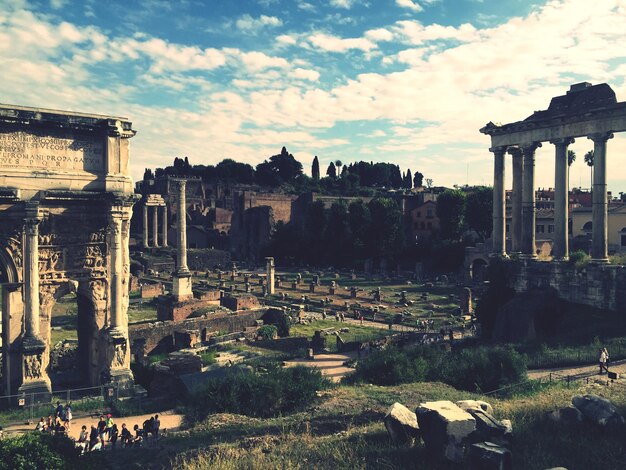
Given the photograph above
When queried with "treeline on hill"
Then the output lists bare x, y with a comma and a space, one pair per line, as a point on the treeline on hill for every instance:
283, 170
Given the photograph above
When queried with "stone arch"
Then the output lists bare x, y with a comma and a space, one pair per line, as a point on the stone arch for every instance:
588, 227
12, 321
478, 269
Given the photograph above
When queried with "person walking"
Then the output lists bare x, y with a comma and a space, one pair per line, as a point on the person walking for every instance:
603, 360
155, 427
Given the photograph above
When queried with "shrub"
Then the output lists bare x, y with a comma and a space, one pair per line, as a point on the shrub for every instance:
579, 258
265, 395
36, 451
390, 367
279, 318
267, 332
473, 369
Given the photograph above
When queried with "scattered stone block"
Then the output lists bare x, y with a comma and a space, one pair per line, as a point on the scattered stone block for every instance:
489, 456
444, 426
401, 424
475, 405
488, 428
598, 410
569, 415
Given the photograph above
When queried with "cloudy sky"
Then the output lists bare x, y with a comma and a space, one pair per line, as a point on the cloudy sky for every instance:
403, 81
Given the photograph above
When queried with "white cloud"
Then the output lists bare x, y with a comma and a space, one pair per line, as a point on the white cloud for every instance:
304, 74
410, 4
249, 24
416, 33
286, 39
57, 4
330, 43
379, 34
306, 6
256, 61
347, 4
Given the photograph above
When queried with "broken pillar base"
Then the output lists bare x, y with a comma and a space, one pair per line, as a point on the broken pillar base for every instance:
181, 285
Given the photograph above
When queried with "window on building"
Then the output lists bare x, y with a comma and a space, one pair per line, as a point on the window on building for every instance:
540, 228
507, 228
429, 213
550, 228
430, 225
418, 214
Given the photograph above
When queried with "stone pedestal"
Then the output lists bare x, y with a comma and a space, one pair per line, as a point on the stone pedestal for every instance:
181, 286
36, 383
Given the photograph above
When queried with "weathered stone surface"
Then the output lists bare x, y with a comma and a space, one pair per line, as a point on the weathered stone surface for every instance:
487, 427
475, 405
401, 424
444, 427
568, 415
598, 410
489, 456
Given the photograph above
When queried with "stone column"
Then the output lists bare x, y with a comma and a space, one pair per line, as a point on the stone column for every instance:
155, 226
116, 275
529, 248
560, 247
182, 276
146, 243
164, 226
118, 351
516, 200
271, 270
600, 245
499, 220
31, 277
35, 380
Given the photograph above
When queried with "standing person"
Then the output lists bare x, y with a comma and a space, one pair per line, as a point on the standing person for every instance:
608, 359
109, 425
68, 416
113, 435
102, 425
59, 410
602, 360
361, 318
155, 427
41, 425
147, 429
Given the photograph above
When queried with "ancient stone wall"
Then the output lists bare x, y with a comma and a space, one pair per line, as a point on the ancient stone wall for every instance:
202, 259
240, 302
148, 291
159, 337
597, 285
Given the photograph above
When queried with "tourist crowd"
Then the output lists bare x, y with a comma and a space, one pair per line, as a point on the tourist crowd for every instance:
105, 433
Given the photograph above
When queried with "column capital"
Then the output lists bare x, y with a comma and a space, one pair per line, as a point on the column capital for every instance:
600, 136
562, 141
31, 225
499, 150
530, 148
515, 151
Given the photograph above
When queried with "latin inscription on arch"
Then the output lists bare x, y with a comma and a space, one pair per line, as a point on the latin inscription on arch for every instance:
63, 152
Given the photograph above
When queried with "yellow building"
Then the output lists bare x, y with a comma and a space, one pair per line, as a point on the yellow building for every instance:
582, 225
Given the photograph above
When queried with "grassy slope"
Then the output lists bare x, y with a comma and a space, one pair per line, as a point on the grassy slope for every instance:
345, 431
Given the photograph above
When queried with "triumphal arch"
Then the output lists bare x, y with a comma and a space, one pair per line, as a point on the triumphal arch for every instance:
65, 206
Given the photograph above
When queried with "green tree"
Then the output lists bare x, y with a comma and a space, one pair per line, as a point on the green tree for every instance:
359, 219
338, 165
231, 170
337, 236
315, 169
451, 210
571, 157
386, 233
331, 171
281, 168
589, 157
408, 181
418, 179
478, 210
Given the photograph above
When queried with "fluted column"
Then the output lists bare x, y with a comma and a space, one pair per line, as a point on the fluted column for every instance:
528, 201
599, 244
116, 276
499, 216
271, 271
31, 277
164, 226
145, 226
560, 246
155, 226
516, 200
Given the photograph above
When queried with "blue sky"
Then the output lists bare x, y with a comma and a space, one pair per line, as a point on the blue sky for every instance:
403, 81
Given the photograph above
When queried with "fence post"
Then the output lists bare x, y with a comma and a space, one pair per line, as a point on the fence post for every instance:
67, 400
550, 377
568, 380
32, 404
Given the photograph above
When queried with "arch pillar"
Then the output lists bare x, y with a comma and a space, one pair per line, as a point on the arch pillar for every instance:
600, 243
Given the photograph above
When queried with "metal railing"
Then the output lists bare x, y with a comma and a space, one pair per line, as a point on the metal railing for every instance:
29, 407
582, 356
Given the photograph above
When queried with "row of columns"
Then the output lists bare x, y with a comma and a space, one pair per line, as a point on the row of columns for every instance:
523, 207
155, 225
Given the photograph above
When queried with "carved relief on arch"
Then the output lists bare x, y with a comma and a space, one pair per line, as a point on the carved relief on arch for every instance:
32, 366
119, 356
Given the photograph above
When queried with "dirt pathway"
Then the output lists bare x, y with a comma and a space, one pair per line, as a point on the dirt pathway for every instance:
578, 372
170, 421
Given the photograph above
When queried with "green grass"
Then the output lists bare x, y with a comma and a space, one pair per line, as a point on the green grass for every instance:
141, 312
309, 329
208, 357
